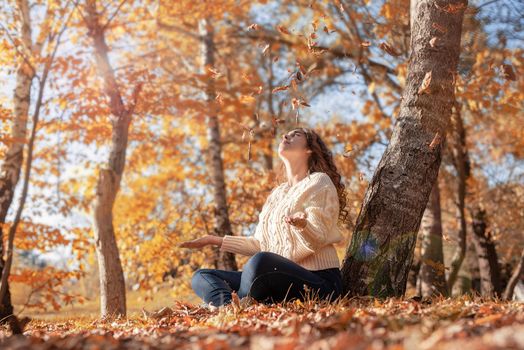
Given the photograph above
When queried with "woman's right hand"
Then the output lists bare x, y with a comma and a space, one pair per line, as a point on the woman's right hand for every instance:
202, 242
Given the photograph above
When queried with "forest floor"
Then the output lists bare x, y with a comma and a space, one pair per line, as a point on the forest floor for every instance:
465, 322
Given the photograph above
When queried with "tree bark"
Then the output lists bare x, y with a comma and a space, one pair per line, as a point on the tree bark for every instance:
432, 276
112, 283
381, 250
489, 268
515, 277
224, 260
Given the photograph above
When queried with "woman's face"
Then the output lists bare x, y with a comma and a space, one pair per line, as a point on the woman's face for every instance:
293, 145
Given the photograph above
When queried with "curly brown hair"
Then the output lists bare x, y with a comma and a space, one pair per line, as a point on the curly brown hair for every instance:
321, 160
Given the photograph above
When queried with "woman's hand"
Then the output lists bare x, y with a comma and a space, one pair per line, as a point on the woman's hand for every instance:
298, 219
202, 242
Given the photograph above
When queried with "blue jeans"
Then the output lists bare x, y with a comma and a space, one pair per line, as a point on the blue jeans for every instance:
268, 278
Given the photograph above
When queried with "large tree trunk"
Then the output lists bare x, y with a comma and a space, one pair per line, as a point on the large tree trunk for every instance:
489, 268
432, 277
112, 283
224, 260
14, 156
381, 250
461, 163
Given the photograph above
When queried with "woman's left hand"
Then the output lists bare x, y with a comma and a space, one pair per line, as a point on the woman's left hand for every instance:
298, 219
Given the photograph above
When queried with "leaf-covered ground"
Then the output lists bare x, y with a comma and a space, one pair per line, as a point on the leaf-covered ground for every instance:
359, 323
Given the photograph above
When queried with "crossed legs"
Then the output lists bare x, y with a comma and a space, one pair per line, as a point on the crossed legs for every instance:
267, 277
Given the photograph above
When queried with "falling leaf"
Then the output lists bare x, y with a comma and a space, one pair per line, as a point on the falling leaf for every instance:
389, 49
424, 87
283, 30
365, 43
451, 8
304, 103
254, 26
327, 31
265, 48
299, 76
347, 152
435, 142
280, 88
509, 73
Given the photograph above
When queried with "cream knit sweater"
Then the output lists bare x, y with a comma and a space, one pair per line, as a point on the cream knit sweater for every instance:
312, 246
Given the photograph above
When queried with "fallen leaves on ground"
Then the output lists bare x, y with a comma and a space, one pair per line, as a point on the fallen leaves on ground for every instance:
360, 323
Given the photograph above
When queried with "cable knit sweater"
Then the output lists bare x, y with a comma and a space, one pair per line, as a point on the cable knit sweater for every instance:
311, 246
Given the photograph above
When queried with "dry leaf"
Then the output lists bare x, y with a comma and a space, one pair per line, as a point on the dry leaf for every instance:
265, 48
389, 49
509, 73
424, 87
452, 8
280, 88
435, 142
283, 30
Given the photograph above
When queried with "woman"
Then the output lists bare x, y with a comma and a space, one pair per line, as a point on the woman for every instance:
293, 241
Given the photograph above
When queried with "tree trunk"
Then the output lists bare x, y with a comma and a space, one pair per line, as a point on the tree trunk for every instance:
487, 256
432, 276
461, 162
381, 250
112, 283
224, 260
515, 277
14, 156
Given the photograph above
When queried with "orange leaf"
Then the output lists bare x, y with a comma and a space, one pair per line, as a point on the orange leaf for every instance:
280, 88
509, 73
283, 30
389, 49
424, 87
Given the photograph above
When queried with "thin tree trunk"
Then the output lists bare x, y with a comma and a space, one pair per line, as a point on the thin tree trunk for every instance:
461, 163
381, 250
112, 283
225, 260
515, 277
14, 156
487, 256
432, 276
268, 153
